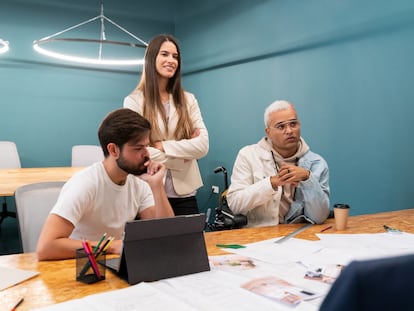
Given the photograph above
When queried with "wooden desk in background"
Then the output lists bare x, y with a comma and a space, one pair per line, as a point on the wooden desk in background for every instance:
11, 179
56, 280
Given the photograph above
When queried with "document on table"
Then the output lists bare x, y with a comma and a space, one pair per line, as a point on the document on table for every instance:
10, 277
291, 250
386, 240
343, 248
141, 296
204, 291
331, 248
222, 288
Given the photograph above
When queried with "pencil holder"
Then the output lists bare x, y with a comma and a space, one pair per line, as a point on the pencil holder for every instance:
88, 268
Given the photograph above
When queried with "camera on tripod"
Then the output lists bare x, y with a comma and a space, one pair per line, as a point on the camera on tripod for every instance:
224, 218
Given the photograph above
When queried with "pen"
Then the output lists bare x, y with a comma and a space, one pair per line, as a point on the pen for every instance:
105, 246
17, 304
92, 260
96, 253
327, 228
230, 246
99, 243
389, 229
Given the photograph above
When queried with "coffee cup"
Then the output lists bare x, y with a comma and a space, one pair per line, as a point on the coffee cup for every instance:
341, 213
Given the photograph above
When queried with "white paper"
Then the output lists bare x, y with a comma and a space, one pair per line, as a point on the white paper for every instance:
10, 277
221, 288
290, 250
142, 296
217, 290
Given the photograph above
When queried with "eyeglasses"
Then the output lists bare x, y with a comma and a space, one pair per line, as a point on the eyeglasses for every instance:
282, 126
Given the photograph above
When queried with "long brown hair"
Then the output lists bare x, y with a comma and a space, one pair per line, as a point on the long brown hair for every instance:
152, 99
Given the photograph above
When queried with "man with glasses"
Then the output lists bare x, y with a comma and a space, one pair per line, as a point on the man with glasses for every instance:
279, 180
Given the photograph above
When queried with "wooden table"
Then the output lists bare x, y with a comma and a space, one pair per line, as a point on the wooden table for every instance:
56, 281
11, 179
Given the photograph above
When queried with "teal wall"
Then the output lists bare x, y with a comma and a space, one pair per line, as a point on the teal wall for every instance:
347, 65
46, 105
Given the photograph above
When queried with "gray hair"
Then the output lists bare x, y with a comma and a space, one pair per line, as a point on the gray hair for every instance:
276, 106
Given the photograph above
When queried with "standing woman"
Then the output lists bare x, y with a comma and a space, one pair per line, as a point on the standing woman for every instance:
178, 134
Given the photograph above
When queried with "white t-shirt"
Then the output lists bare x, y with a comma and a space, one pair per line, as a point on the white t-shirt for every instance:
94, 204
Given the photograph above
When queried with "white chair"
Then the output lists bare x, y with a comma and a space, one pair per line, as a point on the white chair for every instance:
33, 204
85, 155
9, 158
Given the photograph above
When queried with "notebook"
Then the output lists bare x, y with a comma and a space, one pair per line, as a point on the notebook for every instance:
160, 248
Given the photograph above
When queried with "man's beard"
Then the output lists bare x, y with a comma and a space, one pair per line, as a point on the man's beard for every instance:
138, 170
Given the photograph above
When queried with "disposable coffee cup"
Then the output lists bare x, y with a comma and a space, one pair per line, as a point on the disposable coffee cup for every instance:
341, 214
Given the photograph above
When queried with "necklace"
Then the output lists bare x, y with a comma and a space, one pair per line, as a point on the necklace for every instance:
274, 161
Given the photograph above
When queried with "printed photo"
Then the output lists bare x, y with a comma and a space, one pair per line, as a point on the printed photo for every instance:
326, 274
280, 290
232, 261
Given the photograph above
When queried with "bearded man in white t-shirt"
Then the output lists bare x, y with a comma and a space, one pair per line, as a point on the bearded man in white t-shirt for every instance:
125, 186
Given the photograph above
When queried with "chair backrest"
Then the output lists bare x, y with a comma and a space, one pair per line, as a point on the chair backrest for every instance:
85, 155
9, 157
33, 204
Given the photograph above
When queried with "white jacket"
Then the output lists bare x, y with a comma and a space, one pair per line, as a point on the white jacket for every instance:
180, 156
251, 193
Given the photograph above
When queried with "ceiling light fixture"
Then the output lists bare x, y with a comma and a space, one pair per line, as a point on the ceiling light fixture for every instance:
4, 46
39, 45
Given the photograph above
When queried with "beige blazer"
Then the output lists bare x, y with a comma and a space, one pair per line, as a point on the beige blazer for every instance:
179, 156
